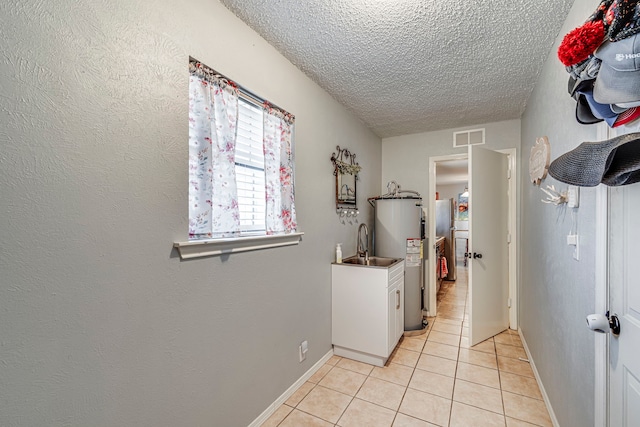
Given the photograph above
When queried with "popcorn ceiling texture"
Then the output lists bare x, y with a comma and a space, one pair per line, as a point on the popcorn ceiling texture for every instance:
409, 66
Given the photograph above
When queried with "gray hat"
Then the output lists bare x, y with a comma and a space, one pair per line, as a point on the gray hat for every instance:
613, 162
583, 72
618, 79
625, 105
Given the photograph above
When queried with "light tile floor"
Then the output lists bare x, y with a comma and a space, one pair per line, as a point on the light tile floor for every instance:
434, 379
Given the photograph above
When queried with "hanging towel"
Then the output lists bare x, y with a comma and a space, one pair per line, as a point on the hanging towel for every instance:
443, 270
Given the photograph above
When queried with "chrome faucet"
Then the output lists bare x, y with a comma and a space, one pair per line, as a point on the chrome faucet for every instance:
362, 252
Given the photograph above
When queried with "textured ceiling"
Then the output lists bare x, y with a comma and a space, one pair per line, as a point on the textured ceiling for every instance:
408, 66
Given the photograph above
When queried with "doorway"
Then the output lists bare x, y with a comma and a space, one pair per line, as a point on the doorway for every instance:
457, 174
452, 229
451, 165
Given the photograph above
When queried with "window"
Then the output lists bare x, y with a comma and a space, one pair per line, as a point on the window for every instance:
241, 180
250, 169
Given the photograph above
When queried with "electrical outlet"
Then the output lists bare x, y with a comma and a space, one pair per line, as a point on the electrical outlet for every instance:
573, 240
302, 349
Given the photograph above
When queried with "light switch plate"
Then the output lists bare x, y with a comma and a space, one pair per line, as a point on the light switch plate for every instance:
573, 196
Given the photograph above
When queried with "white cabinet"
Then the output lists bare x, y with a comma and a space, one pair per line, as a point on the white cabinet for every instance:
367, 311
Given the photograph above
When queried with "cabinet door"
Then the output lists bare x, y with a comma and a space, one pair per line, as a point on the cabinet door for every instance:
396, 312
392, 311
399, 327
359, 309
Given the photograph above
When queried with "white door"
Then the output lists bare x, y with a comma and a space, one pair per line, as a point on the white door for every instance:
488, 246
624, 301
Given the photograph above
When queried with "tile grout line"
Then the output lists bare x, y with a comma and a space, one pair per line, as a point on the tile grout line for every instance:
504, 409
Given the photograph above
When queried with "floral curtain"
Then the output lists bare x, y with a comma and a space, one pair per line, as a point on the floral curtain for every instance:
278, 162
213, 195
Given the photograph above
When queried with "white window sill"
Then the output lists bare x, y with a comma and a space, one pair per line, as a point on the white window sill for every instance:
214, 247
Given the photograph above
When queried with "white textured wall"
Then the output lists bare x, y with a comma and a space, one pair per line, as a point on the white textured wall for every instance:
405, 159
100, 323
557, 292
450, 191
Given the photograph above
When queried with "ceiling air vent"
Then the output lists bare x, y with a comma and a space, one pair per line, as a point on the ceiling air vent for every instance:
468, 137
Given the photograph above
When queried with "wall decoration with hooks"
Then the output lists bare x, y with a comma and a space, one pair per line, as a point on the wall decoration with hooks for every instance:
346, 169
554, 196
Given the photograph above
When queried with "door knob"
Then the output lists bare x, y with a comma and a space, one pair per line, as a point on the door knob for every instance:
604, 323
614, 324
475, 255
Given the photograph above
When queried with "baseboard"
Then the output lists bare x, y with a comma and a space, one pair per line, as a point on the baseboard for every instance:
287, 394
545, 397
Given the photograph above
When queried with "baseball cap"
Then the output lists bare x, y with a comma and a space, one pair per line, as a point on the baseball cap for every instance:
618, 79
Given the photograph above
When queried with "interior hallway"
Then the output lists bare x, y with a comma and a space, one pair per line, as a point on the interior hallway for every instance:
434, 379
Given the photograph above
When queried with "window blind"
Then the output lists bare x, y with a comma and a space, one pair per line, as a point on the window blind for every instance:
250, 168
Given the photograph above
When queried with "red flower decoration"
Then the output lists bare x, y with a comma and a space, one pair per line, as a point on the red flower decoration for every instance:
581, 42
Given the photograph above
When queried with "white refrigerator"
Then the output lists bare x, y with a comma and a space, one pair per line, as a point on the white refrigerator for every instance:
398, 234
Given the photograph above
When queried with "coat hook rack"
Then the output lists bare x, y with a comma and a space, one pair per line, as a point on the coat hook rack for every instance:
554, 197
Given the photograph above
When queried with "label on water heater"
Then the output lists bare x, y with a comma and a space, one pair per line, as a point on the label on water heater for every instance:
413, 257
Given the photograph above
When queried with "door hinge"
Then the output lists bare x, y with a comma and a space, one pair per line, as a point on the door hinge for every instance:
508, 237
509, 172
509, 302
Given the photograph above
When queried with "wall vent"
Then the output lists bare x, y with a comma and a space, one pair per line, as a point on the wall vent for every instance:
468, 137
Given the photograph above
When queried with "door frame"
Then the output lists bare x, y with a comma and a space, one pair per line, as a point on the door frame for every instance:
513, 231
601, 344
